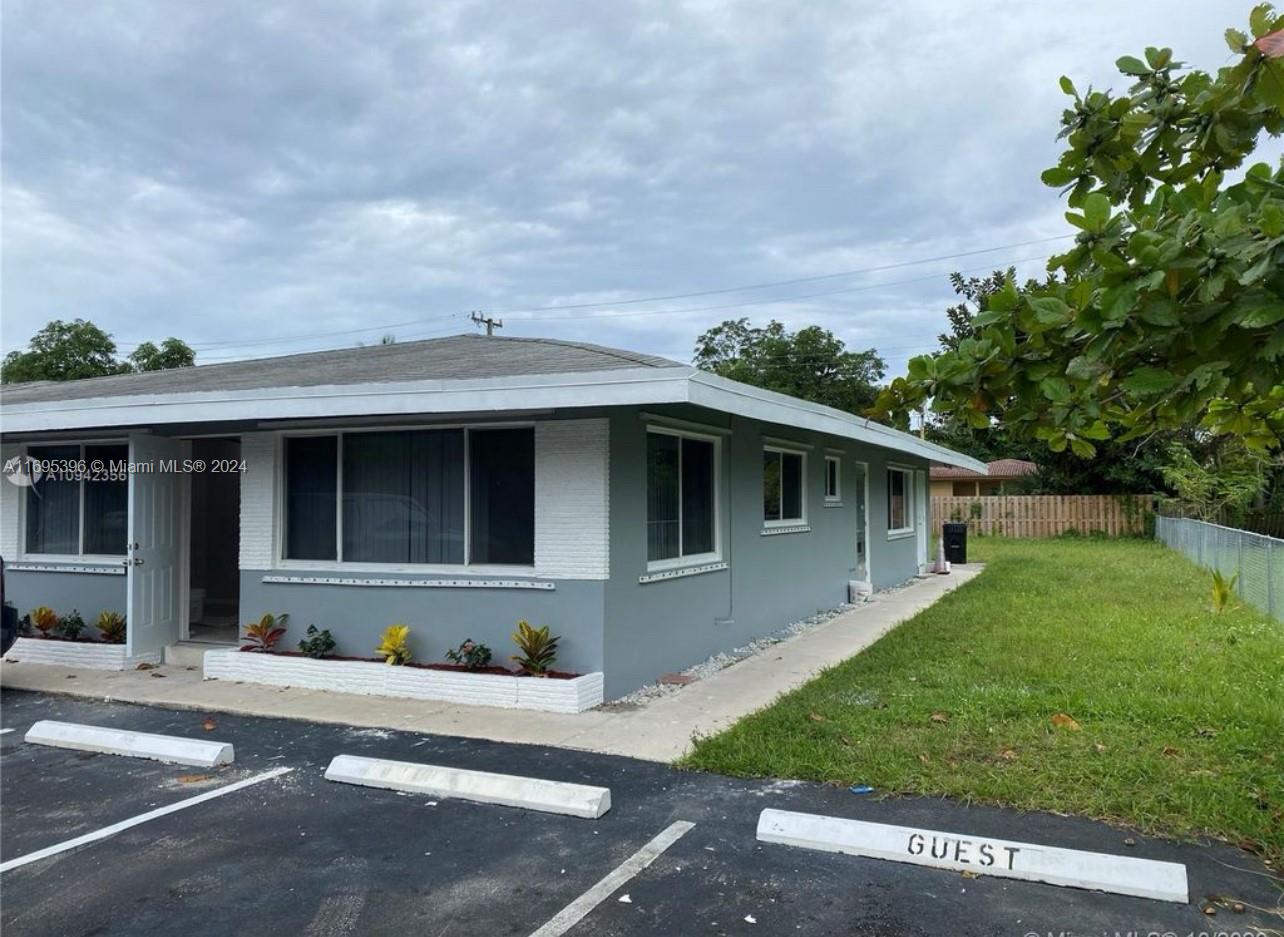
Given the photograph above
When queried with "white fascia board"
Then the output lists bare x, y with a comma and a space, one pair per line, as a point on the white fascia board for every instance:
719, 393
631, 386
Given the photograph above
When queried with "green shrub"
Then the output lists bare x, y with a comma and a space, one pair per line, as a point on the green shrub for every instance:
317, 644
71, 625
470, 654
538, 647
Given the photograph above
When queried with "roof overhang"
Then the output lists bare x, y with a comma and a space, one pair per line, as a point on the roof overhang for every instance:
624, 387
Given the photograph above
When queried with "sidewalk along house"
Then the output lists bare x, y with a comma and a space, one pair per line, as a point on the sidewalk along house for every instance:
999, 478
650, 513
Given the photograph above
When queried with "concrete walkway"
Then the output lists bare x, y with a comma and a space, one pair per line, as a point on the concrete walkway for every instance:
660, 730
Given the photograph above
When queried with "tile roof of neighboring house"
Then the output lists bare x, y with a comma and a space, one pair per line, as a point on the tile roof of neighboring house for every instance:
999, 468
459, 356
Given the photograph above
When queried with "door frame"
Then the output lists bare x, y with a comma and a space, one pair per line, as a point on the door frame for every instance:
185, 536
922, 519
869, 562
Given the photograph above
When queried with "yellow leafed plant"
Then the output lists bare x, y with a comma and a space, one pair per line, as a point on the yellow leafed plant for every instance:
393, 646
45, 619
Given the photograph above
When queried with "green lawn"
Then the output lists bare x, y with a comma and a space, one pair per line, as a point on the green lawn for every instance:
1181, 711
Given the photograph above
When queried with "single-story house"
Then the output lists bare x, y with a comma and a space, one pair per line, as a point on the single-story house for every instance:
959, 482
650, 513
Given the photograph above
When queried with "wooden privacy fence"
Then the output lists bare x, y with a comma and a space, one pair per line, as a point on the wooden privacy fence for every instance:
1046, 515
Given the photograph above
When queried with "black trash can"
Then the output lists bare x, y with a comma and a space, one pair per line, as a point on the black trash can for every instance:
955, 536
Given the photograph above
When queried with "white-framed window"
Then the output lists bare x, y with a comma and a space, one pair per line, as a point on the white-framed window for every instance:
784, 487
409, 497
833, 479
78, 503
682, 497
900, 501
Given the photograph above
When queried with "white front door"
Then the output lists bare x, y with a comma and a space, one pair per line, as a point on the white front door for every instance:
155, 570
859, 487
920, 516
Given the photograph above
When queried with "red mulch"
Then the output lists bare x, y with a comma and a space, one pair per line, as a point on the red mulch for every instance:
458, 668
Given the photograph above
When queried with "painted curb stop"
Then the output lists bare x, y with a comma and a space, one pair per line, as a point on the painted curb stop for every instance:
172, 749
958, 852
483, 787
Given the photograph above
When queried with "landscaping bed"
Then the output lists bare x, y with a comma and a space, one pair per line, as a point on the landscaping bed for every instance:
61, 652
1080, 676
557, 692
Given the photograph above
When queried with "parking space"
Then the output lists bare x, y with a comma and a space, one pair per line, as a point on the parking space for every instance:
299, 854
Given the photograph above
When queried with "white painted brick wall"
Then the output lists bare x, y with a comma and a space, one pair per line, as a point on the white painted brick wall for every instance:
258, 510
10, 500
572, 507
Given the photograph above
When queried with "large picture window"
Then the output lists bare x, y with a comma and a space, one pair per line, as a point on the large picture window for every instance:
899, 501
441, 496
681, 496
80, 505
783, 492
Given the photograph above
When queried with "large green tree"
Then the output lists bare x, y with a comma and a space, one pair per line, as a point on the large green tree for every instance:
67, 351
1168, 312
811, 363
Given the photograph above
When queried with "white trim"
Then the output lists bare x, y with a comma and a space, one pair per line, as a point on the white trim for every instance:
785, 529
685, 560
896, 533
789, 525
411, 583
624, 387
78, 568
836, 499
674, 423
678, 572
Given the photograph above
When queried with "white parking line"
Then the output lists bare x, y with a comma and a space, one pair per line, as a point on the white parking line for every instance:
109, 831
578, 909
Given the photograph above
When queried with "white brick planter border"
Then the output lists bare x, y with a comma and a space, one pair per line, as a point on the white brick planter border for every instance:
368, 678
77, 654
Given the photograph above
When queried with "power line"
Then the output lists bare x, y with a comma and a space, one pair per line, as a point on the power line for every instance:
636, 301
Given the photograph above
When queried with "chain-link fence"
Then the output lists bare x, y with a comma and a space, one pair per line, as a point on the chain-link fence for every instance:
1256, 559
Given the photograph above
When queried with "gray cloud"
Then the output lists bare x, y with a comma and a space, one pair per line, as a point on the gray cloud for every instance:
254, 179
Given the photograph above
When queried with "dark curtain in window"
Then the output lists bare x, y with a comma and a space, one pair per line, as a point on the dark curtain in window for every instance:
791, 486
663, 528
403, 497
311, 479
502, 496
107, 501
53, 504
771, 486
697, 496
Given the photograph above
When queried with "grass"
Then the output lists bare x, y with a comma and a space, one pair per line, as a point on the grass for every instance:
1180, 712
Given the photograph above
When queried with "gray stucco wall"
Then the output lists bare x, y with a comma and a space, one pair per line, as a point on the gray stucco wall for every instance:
771, 581
89, 593
439, 617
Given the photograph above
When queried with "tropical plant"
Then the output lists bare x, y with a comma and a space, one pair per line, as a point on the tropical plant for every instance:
111, 625
1223, 591
264, 634
538, 647
44, 619
71, 625
470, 654
317, 644
1167, 314
394, 645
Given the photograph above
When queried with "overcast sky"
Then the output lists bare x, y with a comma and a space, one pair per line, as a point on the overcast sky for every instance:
264, 178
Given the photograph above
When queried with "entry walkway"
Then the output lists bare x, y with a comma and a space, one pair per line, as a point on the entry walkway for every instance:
660, 730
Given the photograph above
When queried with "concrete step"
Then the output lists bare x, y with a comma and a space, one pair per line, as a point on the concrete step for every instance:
190, 653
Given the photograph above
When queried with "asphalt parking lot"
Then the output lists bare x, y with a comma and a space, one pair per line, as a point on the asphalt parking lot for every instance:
296, 854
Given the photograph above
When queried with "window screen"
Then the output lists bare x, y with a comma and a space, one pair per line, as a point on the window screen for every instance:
782, 486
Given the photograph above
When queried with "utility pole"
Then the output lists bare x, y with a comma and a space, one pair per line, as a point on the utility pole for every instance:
491, 324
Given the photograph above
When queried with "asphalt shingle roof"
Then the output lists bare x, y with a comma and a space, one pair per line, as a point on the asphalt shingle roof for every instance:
454, 358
